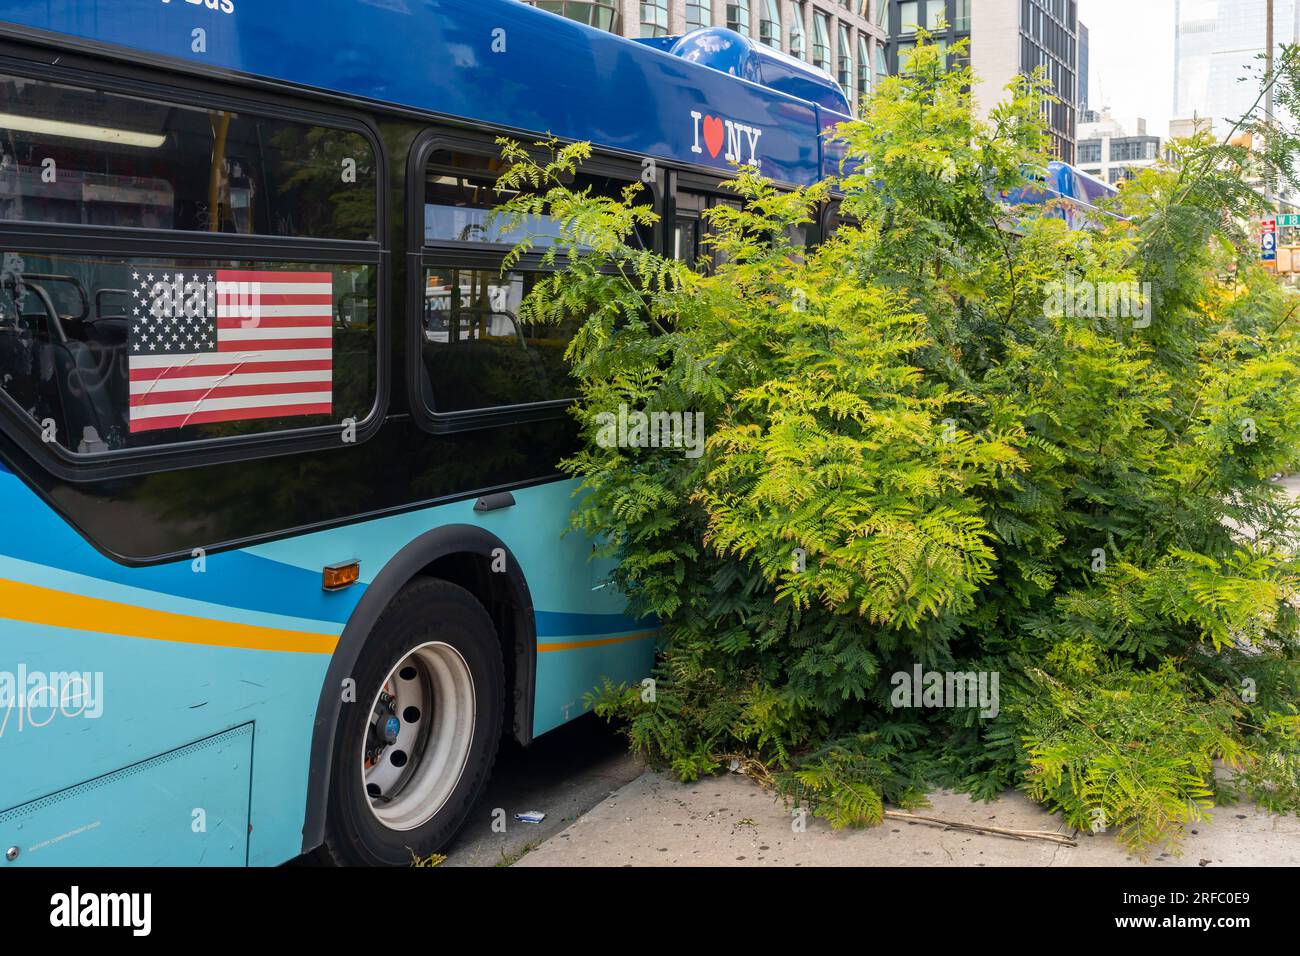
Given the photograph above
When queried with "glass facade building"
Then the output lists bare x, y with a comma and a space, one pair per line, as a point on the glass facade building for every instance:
1006, 37
846, 38
654, 18
1217, 45
1083, 69
699, 14
596, 13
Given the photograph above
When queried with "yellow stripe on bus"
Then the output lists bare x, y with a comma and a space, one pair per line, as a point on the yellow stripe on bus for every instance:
38, 605
579, 645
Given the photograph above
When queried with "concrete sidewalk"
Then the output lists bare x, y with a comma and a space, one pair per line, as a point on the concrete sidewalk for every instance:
730, 821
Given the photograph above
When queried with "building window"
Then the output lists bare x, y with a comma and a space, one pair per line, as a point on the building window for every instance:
864, 70
595, 13
822, 41
882, 63
738, 17
844, 62
908, 16
1127, 150
798, 39
769, 27
1090, 152
961, 17
654, 18
934, 13
699, 14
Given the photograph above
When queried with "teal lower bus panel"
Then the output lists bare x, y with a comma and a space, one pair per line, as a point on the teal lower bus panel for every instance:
186, 807
567, 672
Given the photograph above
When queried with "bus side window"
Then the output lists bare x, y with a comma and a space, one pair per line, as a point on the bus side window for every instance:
832, 218
106, 353
88, 157
691, 240
717, 256
688, 236
477, 353
154, 345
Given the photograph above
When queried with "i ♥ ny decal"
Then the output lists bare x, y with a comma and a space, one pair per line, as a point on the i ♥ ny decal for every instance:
712, 133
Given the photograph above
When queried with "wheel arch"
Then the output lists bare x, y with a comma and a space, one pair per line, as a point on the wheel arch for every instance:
463, 555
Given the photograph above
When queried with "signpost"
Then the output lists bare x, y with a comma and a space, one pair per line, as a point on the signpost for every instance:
1268, 240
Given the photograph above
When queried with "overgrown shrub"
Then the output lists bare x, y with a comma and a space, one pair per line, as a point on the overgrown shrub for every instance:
926, 454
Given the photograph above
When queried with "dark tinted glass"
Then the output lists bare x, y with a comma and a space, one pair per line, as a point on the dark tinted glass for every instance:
478, 354
460, 193
87, 157
110, 353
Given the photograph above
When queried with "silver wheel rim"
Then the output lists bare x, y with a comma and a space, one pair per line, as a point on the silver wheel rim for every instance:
419, 736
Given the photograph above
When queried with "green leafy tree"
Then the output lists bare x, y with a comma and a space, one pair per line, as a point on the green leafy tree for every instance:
960, 436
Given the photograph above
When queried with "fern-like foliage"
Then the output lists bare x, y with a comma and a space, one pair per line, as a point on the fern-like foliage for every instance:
1130, 752
914, 460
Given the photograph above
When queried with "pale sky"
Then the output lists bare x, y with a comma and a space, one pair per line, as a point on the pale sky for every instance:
1132, 60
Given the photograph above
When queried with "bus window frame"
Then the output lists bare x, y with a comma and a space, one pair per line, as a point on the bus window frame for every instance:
714, 190
825, 225
489, 256
183, 89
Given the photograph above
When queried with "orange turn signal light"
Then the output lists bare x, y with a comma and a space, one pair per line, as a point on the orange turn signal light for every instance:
336, 577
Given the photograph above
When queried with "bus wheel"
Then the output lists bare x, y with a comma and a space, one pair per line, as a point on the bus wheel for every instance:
413, 753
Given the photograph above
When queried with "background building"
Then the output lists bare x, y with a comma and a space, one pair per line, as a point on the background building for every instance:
845, 38
1218, 65
1006, 37
1108, 151
1083, 71
1188, 127
1216, 43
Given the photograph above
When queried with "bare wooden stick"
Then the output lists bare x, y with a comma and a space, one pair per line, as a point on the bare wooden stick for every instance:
1047, 835
759, 773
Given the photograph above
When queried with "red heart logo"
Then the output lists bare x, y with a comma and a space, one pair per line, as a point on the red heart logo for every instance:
713, 133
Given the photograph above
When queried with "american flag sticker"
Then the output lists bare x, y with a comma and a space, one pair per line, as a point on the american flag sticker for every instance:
229, 346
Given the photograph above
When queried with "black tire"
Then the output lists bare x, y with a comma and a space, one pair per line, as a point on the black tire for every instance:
425, 610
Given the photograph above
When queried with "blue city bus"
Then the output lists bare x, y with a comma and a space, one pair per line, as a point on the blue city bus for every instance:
1070, 194
283, 554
